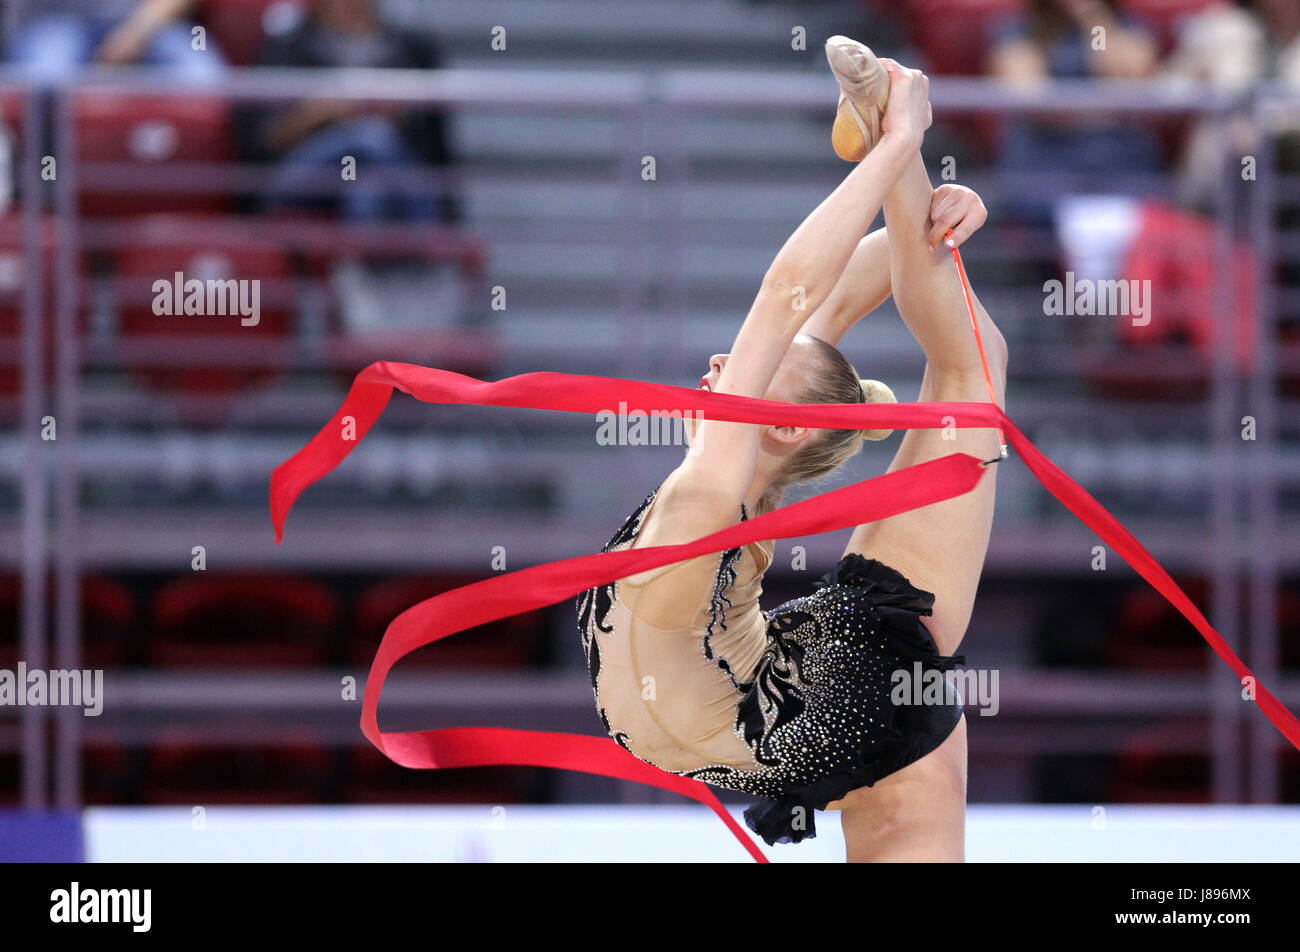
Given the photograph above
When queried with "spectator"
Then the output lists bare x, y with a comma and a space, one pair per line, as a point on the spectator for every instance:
53, 38
313, 136
1062, 39
1224, 47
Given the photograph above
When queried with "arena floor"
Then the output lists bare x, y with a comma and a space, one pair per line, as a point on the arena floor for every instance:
1079, 833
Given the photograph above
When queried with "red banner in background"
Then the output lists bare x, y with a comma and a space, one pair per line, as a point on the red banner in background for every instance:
527, 589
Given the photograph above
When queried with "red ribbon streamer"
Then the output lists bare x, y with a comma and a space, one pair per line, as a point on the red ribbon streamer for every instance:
505, 595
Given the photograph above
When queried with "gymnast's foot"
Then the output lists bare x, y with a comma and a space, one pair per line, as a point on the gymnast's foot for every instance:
864, 91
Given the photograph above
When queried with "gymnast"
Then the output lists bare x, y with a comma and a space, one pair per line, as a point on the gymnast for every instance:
793, 705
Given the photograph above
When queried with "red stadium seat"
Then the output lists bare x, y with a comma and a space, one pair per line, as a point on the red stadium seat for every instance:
1148, 772
238, 26
508, 643
953, 35
1164, 16
13, 285
106, 771
12, 290
11, 589
1289, 627
1170, 355
164, 245
11, 790
1289, 775
108, 622
1151, 635
373, 778
12, 114
241, 620
143, 154
179, 769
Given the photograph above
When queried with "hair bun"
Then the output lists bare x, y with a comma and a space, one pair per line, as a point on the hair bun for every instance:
873, 391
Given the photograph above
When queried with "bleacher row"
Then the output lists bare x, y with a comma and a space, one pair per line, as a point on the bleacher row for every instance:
145, 231
232, 620
214, 621
953, 35
159, 224
185, 769
145, 159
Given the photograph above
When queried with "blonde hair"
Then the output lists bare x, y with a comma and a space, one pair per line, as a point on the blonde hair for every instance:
826, 450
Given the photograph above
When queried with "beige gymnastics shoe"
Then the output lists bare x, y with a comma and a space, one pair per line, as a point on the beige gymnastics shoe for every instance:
864, 91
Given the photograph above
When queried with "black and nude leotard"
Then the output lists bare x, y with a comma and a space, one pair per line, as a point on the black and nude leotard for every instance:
792, 705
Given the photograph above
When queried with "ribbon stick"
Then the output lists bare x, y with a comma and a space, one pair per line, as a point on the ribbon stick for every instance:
527, 589
979, 338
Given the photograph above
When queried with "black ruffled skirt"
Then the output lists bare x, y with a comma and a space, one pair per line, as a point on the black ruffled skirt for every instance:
850, 690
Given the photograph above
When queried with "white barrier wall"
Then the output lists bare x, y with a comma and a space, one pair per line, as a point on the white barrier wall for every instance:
488, 834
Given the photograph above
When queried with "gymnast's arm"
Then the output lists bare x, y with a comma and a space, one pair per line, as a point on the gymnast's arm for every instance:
705, 492
862, 288
866, 282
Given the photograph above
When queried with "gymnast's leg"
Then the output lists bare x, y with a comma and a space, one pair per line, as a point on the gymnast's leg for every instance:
918, 813
941, 547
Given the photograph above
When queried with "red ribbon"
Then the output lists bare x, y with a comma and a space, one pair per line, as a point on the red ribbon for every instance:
528, 589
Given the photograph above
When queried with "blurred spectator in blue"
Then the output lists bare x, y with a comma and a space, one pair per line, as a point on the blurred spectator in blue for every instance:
311, 137
52, 38
1071, 39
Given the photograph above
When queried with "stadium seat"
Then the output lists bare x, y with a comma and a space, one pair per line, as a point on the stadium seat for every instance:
1176, 252
372, 778
11, 791
1146, 771
108, 622
13, 267
509, 643
12, 114
241, 620
181, 769
108, 775
144, 154
1289, 627
1163, 16
239, 26
12, 286
159, 247
1151, 635
954, 35
1289, 775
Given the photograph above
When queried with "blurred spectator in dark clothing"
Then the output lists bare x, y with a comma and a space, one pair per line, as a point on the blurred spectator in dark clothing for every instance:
310, 137
1071, 39
52, 38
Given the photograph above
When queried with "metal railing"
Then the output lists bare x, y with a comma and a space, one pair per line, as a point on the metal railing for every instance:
652, 282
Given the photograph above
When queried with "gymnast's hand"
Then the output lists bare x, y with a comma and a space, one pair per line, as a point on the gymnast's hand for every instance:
907, 114
958, 208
